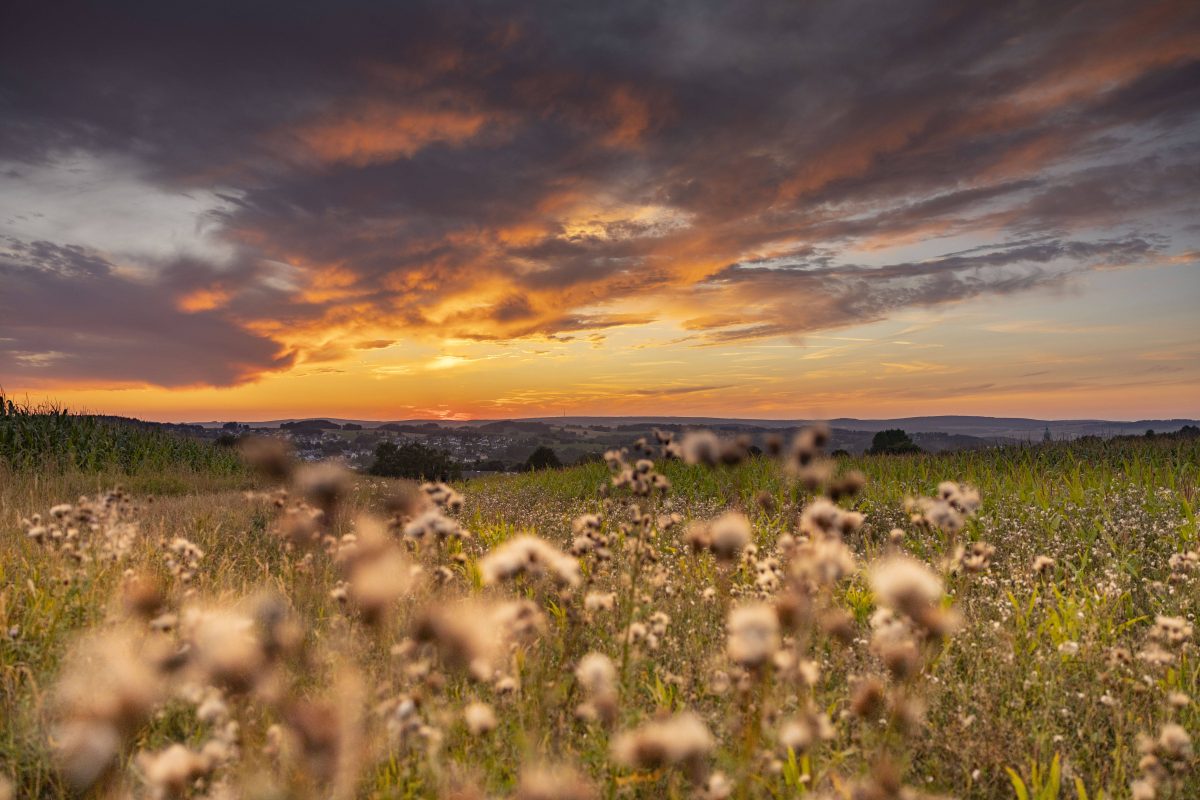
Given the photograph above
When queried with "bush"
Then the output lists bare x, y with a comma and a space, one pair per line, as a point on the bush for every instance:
414, 460
542, 458
893, 441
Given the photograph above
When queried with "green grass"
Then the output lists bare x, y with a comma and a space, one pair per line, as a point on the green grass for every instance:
1024, 697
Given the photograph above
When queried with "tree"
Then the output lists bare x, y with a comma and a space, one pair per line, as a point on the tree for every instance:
414, 460
893, 441
542, 458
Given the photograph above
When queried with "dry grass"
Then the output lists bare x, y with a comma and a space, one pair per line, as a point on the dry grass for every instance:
359, 638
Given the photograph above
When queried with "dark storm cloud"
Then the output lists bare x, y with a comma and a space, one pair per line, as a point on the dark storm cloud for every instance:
68, 314
381, 163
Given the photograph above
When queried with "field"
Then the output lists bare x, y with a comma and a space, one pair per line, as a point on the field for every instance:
1003, 623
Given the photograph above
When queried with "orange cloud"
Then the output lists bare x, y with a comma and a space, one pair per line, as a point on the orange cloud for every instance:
203, 300
380, 132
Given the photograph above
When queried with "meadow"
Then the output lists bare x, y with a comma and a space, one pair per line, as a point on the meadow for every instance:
684, 620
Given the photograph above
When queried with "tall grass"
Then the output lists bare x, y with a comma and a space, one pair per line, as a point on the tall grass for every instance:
51, 439
1047, 689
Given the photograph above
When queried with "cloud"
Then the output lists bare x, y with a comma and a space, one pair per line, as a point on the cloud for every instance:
540, 169
799, 297
69, 315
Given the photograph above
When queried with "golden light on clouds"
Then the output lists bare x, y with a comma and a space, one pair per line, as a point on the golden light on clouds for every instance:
766, 214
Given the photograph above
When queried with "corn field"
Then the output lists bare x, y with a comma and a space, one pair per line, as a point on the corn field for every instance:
50, 438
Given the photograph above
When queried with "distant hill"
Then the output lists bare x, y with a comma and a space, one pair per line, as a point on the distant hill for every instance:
932, 433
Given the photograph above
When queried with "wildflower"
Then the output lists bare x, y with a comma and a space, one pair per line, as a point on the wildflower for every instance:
169, 772
558, 782
1043, 565
892, 641
443, 496
183, 559
978, 557
803, 731
1178, 700
824, 519
598, 677
867, 700
271, 457
84, 749
1143, 789
1183, 565
908, 586
948, 511
105, 692
600, 601
1155, 655
728, 534
1174, 742
681, 740
1173, 631
325, 484
586, 524
821, 561
700, 447
142, 595
225, 650
847, 485
753, 634
530, 555
471, 635
377, 572
433, 525
480, 718
300, 525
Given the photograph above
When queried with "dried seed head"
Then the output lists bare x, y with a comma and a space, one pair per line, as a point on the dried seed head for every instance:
753, 634
802, 732
1172, 631
272, 457
557, 782
1174, 743
680, 740
83, 750
480, 718
325, 484
867, 700
596, 674
600, 601
906, 585
533, 556
142, 595
224, 646
170, 772
728, 534
700, 447
1043, 565
978, 557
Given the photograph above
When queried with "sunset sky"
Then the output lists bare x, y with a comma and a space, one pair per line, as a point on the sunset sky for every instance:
373, 210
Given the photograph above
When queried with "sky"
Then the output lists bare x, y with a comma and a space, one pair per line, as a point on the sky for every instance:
479, 210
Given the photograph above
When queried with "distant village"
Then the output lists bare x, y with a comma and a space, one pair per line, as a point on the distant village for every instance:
507, 445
